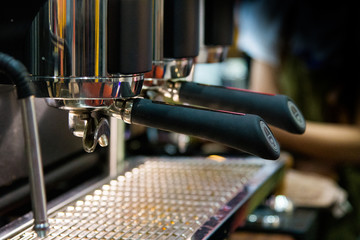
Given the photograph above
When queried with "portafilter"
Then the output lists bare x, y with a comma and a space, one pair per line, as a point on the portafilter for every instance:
199, 31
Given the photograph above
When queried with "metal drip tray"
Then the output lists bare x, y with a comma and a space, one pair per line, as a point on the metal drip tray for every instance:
163, 198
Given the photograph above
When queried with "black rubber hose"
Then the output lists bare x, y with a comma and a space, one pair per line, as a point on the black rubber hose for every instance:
18, 74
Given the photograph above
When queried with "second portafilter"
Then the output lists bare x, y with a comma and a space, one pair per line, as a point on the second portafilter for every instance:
201, 31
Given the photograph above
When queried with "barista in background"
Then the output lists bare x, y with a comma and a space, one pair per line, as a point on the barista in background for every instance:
310, 52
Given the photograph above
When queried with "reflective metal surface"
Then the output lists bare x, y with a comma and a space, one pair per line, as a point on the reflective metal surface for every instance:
163, 69
92, 129
68, 39
77, 122
180, 198
81, 93
158, 30
68, 58
168, 69
171, 90
207, 53
212, 54
97, 131
121, 110
36, 176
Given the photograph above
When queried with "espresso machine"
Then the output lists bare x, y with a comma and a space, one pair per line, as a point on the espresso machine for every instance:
92, 60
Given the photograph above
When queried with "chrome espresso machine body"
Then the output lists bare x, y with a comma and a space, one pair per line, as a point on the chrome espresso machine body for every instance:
90, 59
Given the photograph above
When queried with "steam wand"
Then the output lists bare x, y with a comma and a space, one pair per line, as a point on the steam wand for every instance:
17, 72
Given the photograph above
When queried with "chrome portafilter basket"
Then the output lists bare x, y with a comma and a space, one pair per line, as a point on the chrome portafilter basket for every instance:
87, 93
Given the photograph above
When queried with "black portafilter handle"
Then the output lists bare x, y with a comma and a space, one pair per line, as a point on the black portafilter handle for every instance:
277, 110
245, 132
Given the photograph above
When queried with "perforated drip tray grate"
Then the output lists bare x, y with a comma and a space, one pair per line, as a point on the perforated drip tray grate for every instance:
161, 199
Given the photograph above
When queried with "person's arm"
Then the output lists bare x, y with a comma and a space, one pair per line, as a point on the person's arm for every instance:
263, 77
335, 143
